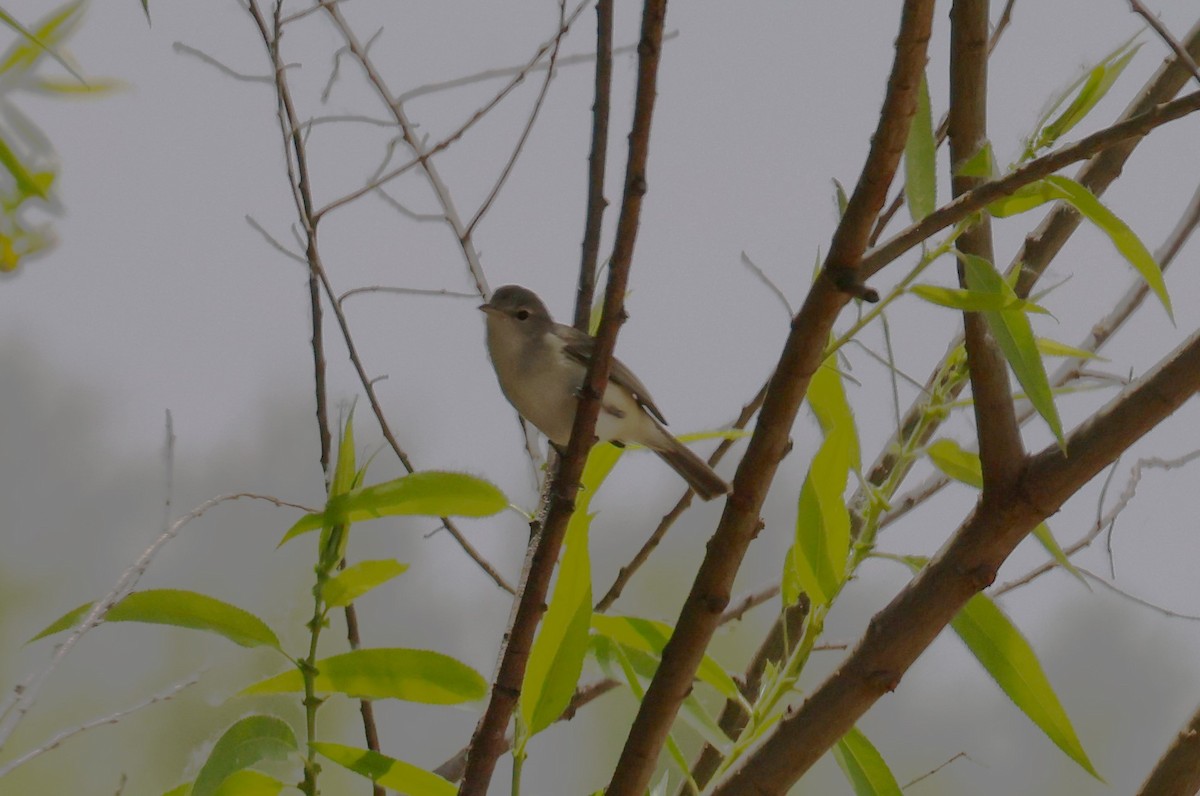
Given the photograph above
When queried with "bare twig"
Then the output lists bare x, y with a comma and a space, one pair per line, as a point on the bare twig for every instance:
1167, 612
111, 718
928, 774
766, 280
1180, 51
184, 49
589, 261
403, 291
24, 695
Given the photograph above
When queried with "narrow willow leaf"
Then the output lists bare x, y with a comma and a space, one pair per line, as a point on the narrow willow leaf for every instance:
355, 581
955, 462
1007, 657
432, 493
1022, 200
27, 184
1053, 348
1123, 238
182, 609
346, 467
34, 42
839, 198
244, 744
863, 766
1095, 86
648, 636
249, 782
920, 159
1014, 336
408, 674
386, 771
1046, 538
826, 397
556, 660
973, 300
822, 541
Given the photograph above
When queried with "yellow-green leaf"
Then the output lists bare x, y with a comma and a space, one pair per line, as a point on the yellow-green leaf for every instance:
244, 744
408, 674
355, 581
822, 540
863, 766
920, 159
1007, 657
386, 771
973, 300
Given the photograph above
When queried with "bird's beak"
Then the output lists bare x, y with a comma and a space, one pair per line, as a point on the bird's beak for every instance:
487, 308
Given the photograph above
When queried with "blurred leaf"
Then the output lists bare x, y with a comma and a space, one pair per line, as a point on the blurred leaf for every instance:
245, 743
95, 87
1092, 87
1046, 538
973, 301
182, 609
822, 541
355, 581
1014, 336
826, 397
408, 674
27, 184
431, 493
346, 467
648, 636
1053, 348
44, 38
1007, 657
955, 462
386, 771
249, 782
920, 159
556, 660
863, 766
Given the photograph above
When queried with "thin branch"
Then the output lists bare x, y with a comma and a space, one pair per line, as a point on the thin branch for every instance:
1180, 51
799, 359
24, 695
774, 288
589, 261
403, 291
533, 115
1167, 612
275, 242
185, 49
486, 743
112, 718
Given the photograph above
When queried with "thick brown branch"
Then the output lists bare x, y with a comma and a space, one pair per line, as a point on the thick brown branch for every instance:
899, 633
1177, 772
487, 744
799, 359
1000, 447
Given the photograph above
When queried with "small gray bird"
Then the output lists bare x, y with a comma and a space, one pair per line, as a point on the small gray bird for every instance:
541, 366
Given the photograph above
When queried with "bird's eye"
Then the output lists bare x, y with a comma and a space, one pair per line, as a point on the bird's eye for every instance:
522, 315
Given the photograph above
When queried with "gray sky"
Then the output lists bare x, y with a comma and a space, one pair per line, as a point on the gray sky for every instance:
160, 296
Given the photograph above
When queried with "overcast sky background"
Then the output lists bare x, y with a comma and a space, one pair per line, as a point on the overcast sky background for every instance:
160, 296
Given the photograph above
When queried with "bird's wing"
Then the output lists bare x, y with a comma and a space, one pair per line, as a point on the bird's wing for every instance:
579, 346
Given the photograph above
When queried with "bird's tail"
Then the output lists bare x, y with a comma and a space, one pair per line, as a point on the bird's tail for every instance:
700, 477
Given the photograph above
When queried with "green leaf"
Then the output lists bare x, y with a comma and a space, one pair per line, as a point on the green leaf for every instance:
955, 462
645, 635
182, 609
1046, 538
1095, 85
840, 199
1014, 336
432, 493
1007, 657
822, 542
826, 397
346, 468
556, 660
864, 767
602, 458
355, 581
44, 38
1123, 238
386, 771
408, 674
920, 159
1053, 348
973, 301
981, 164
248, 741
27, 183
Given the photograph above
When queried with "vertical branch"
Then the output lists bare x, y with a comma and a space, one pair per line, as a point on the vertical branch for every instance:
800, 358
590, 259
1000, 448
488, 741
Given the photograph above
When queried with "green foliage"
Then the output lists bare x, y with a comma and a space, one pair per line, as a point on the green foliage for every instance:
355, 581
182, 609
247, 742
920, 159
386, 771
408, 674
864, 767
28, 165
